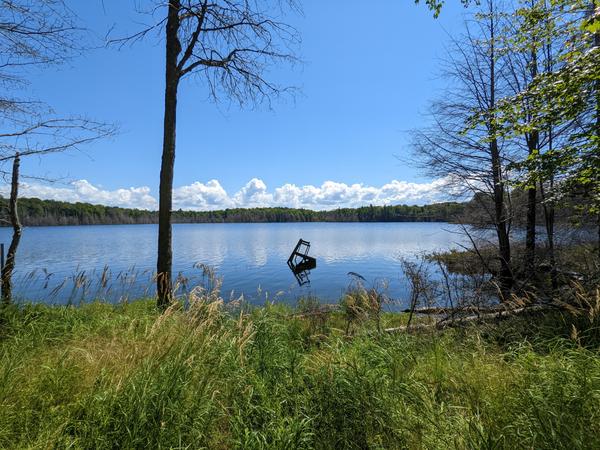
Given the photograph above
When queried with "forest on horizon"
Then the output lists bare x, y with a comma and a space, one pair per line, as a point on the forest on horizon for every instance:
37, 212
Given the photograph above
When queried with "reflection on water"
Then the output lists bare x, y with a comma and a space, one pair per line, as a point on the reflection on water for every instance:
246, 256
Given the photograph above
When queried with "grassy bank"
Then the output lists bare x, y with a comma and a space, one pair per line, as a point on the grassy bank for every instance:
102, 376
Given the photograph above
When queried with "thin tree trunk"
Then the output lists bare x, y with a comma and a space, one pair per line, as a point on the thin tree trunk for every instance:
549, 223
413, 306
533, 140
504, 251
8, 268
165, 253
549, 210
530, 236
501, 219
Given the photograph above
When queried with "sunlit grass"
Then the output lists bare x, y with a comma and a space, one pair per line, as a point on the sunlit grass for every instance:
208, 376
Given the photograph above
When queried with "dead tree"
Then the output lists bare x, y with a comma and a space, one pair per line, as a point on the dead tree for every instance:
230, 44
39, 139
471, 153
9, 266
35, 34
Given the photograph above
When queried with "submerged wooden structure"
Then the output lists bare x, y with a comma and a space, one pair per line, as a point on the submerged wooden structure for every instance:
300, 263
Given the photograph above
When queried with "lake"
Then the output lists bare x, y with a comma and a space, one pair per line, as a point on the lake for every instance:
67, 264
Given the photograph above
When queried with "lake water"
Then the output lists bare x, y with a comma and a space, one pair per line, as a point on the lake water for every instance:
65, 264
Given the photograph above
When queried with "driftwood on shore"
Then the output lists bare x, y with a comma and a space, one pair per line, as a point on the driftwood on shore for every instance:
481, 315
440, 310
451, 318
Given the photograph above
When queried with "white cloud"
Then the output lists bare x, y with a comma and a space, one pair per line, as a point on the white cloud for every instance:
332, 194
84, 191
253, 194
200, 196
211, 195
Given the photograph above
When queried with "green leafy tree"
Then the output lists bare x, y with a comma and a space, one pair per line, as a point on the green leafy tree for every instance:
564, 96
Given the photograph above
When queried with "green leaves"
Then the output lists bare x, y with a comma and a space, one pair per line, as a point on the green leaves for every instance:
436, 5
562, 99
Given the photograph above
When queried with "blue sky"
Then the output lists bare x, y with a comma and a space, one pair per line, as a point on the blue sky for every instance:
368, 76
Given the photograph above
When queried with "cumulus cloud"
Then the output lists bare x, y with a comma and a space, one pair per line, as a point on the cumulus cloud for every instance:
211, 195
333, 195
84, 191
253, 194
200, 196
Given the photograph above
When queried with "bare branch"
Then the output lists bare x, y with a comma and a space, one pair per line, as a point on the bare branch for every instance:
52, 136
231, 44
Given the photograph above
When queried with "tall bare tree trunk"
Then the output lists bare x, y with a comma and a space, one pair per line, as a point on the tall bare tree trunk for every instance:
172, 76
501, 219
500, 216
8, 268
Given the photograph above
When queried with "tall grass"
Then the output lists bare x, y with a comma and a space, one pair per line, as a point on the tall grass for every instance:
203, 376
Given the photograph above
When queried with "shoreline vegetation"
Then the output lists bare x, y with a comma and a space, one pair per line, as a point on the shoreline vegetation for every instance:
215, 375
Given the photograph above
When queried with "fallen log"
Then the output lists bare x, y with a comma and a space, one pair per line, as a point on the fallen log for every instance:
438, 310
462, 321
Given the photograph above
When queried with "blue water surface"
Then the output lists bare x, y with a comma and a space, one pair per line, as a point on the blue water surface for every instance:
69, 264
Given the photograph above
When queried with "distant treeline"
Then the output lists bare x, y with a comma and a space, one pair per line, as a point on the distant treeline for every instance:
36, 212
